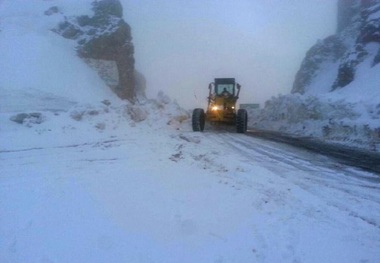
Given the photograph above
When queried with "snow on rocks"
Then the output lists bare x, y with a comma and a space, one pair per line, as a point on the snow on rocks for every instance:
28, 119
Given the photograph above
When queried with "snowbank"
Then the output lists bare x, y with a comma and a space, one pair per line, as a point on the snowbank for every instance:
82, 122
336, 121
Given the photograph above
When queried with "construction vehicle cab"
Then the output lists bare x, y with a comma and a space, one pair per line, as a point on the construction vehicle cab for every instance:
223, 95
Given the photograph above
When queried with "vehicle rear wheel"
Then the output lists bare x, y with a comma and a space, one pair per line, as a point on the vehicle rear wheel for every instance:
241, 121
198, 120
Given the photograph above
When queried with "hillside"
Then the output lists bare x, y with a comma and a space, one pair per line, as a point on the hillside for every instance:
335, 96
77, 38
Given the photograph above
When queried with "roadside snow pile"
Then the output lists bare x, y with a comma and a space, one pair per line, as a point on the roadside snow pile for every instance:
81, 122
165, 112
339, 121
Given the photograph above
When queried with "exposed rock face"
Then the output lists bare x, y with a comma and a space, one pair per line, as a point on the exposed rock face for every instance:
105, 36
358, 25
328, 50
348, 64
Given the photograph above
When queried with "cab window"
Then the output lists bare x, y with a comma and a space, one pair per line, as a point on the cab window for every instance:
222, 88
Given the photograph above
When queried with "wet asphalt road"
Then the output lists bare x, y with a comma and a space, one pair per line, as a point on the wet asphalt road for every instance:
366, 160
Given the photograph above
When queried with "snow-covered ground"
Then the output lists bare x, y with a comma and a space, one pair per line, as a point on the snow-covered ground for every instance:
86, 177
154, 191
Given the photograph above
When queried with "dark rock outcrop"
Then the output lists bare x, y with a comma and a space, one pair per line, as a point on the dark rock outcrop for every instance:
105, 36
348, 64
358, 25
328, 50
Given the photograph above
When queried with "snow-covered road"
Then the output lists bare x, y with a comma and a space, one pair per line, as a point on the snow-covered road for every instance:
87, 177
165, 195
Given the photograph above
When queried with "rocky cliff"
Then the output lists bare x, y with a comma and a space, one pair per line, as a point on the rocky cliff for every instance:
104, 40
336, 94
339, 56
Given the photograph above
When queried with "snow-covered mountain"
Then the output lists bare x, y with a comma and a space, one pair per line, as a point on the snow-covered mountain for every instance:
336, 93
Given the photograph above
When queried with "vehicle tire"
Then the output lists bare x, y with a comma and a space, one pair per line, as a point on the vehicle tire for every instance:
198, 120
241, 121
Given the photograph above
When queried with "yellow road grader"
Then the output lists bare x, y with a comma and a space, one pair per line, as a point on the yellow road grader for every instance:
223, 95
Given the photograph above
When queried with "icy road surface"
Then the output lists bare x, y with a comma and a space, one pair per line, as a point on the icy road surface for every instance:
161, 195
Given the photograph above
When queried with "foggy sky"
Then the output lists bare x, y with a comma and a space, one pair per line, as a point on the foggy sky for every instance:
181, 45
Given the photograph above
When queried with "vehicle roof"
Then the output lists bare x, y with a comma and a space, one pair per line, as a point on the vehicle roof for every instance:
224, 81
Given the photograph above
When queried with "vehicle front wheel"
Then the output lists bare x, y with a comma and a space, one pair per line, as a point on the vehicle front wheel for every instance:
241, 121
198, 120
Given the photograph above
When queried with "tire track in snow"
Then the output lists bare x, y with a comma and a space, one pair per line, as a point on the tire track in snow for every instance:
316, 176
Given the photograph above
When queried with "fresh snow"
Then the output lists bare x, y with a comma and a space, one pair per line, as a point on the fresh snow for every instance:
328, 74
154, 191
365, 88
96, 179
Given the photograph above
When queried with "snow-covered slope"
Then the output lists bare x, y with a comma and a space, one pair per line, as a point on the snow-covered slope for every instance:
38, 66
338, 80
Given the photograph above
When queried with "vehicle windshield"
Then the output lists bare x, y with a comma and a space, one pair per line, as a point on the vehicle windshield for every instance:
222, 89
